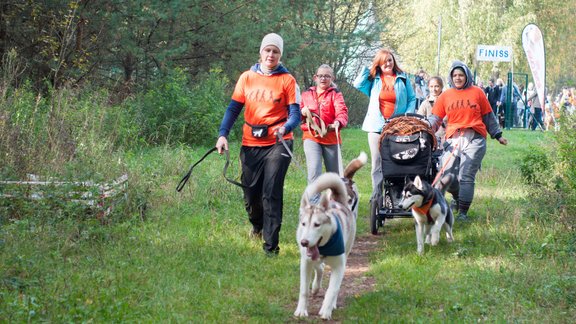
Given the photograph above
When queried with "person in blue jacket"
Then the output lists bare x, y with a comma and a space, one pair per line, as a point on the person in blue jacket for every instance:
390, 93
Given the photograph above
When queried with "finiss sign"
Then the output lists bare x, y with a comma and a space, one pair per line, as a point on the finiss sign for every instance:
494, 53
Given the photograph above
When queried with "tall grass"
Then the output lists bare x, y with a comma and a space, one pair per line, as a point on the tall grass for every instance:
513, 262
186, 257
77, 134
192, 260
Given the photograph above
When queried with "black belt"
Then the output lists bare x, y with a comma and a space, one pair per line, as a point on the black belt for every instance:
273, 124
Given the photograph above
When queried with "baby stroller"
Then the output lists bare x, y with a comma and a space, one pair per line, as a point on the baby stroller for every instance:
407, 149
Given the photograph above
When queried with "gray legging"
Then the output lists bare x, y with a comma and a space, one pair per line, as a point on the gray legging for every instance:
464, 164
377, 177
315, 152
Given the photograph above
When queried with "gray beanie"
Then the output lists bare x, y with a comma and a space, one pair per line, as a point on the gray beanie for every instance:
272, 39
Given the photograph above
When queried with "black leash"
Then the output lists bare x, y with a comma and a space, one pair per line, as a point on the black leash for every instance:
185, 179
187, 176
280, 139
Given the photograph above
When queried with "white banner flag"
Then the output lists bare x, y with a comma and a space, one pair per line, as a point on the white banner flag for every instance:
533, 43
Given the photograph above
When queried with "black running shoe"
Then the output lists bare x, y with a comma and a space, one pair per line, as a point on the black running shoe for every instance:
462, 217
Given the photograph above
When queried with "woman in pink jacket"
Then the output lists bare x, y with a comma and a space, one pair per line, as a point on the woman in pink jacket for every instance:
324, 113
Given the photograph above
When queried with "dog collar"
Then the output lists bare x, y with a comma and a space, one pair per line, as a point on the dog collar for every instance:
425, 210
334, 246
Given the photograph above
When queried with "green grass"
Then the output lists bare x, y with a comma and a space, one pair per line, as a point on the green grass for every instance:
191, 259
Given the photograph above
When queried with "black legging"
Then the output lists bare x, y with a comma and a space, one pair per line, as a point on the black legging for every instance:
263, 173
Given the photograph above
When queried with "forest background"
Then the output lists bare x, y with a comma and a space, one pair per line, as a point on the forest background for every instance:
94, 90
84, 82
126, 47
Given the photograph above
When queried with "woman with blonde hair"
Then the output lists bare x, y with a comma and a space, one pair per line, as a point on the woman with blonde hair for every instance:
324, 113
435, 88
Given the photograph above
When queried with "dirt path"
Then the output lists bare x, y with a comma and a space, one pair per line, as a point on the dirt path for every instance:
356, 282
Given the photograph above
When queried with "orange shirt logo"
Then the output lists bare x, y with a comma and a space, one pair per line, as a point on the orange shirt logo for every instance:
259, 95
266, 100
464, 109
461, 104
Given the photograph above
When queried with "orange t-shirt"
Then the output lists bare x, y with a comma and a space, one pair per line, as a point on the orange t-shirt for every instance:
464, 109
266, 99
387, 96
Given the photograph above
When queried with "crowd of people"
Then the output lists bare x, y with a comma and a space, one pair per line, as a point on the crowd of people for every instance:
463, 115
527, 108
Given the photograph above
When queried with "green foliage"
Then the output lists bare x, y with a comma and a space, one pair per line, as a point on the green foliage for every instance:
191, 260
534, 165
165, 109
173, 112
25, 130
128, 44
357, 103
42, 134
565, 165
566, 142
549, 171
65, 136
162, 256
78, 135
465, 24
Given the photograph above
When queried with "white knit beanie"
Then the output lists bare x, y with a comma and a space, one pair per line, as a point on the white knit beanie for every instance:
272, 39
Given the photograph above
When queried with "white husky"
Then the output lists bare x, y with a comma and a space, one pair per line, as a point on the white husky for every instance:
326, 234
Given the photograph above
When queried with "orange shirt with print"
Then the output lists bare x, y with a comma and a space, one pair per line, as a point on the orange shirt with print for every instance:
464, 109
266, 99
387, 96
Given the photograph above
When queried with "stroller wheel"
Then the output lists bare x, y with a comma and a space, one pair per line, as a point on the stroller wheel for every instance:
375, 220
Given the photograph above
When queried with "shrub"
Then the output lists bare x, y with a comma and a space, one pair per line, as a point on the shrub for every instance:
356, 102
551, 172
66, 135
173, 112
534, 166
566, 141
566, 166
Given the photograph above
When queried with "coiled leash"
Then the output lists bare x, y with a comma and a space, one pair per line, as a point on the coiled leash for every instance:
321, 130
313, 128
187, 176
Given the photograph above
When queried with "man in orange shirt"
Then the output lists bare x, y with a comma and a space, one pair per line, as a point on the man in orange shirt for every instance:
271, 98
469, 119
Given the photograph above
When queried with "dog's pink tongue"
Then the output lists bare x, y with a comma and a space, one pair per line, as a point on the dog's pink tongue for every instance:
313, 252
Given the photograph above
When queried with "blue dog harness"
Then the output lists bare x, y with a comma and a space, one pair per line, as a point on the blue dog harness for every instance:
335, 245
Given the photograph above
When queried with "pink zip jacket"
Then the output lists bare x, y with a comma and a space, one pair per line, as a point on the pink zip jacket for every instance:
330, 106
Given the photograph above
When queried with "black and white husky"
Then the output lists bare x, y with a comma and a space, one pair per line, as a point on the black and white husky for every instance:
326, 234
430, 210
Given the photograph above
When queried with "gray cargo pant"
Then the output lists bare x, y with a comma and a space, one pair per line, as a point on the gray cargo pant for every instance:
464, 163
